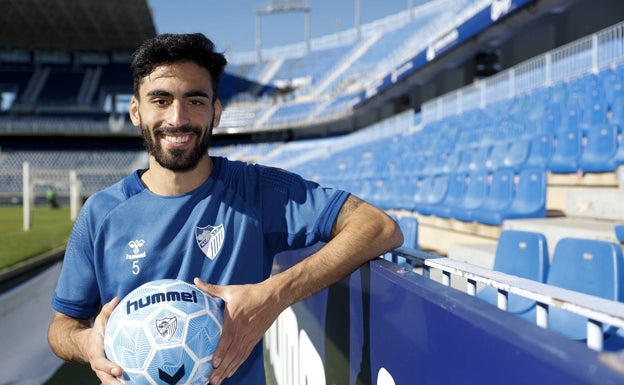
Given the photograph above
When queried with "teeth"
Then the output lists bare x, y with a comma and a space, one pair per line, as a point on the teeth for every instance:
177, 139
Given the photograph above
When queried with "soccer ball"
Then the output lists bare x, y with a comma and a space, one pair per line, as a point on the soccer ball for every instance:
164, 332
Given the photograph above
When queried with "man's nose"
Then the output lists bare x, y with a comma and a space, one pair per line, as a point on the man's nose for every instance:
177, 115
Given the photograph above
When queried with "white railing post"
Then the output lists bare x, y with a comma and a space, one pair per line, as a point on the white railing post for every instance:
512, 83
548, 69
502, 299
471, 289
594, 53
541, 315
594, 334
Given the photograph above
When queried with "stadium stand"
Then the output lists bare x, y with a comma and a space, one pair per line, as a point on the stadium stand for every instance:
462, 162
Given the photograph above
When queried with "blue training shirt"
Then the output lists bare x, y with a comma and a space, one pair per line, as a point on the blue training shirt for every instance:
226, 232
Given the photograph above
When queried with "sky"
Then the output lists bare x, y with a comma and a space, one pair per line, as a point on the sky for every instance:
231, 23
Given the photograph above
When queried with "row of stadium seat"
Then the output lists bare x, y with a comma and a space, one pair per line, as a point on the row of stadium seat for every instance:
593, 267
487, 197
490, 164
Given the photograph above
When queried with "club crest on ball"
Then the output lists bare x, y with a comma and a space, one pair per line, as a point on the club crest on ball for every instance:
167, 327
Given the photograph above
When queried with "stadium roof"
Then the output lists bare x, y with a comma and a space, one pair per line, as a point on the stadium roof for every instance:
75, 25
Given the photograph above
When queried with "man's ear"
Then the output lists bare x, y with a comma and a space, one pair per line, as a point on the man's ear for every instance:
133, 108
218, 108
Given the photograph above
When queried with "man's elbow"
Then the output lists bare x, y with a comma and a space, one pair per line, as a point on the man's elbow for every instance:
387, 234
393, 234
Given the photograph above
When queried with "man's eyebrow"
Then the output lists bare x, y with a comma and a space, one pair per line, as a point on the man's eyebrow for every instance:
189, 94
158, 93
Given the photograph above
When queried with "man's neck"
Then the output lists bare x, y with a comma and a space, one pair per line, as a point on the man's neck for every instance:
165, 182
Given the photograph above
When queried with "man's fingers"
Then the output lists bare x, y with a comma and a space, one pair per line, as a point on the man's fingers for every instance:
225, 342
208, 288
222, 356
107, 370
108, 307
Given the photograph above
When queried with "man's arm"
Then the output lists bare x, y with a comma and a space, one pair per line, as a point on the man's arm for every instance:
76, 340
361, 232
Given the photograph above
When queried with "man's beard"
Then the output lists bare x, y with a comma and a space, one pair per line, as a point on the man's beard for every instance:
176, 159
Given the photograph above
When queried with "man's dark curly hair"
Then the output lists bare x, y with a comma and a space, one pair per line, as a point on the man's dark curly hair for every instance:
167, 49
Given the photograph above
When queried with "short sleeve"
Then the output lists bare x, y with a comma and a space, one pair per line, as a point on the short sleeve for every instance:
77, 293
297, 212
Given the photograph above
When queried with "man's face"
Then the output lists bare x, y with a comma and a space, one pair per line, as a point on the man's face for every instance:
176, 112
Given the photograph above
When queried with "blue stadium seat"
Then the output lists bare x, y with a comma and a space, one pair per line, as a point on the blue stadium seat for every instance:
497, 156
528, 199
541, 149
523, 254
472, 159
437, 192
383, 193
567, 147
600, 149
454, 195
405, 191
423, 188
616, 109
612, 84
454, 161
409, 226
500, 196
477, 189
588, 266
480, 159
617, 119
619, 232
517, 153
464, 160
549, 121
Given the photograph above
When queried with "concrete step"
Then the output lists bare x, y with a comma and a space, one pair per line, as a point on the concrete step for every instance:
596, 203
480, 254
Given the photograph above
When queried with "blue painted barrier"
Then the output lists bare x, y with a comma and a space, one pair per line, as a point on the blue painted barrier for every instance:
385, 325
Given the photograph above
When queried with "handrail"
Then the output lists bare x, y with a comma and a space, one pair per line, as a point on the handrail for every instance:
597, 310
586, 55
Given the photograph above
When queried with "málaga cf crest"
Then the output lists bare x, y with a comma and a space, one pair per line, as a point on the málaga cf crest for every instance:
167, 327
210, 239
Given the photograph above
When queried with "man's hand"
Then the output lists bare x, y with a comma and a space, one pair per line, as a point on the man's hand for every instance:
249, 312
76, 340
106, 370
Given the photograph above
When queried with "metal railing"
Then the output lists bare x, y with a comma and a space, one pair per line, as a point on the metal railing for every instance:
588, 55
598, 311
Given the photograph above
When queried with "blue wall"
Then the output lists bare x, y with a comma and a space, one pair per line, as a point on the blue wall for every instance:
384, 325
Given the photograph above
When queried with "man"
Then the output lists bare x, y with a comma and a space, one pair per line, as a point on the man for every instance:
150, 225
